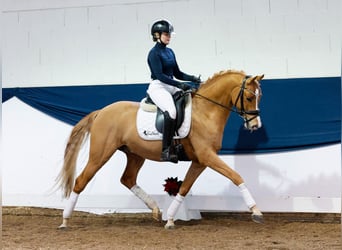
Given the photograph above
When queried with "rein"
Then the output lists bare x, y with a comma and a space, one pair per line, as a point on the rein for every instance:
212, 101
241, 112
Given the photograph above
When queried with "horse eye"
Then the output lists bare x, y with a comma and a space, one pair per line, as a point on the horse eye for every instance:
249, 99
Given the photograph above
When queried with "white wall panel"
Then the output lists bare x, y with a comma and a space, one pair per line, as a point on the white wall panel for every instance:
334, 6
23, 5
311, 6
328, 22
280, 7
285, 45
255, 8
295, 24
258, 64
322, 63
107, 41
268, 25
315, 44
334, 42
224, 8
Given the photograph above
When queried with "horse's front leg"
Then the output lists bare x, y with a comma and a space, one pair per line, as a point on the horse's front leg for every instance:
194, 171
212, 160
256, 213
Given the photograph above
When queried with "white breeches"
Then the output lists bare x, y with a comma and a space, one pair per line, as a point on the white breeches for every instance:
161, 95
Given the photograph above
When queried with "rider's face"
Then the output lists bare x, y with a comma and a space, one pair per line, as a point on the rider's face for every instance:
165, 38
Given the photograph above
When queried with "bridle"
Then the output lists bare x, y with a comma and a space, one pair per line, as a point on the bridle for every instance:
242, 112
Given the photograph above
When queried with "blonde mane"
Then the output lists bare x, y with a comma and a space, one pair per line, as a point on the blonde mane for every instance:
223, 72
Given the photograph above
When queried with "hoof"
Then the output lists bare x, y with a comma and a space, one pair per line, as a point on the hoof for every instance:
62, 227
64, 224
170, 225
258, 218
156, 214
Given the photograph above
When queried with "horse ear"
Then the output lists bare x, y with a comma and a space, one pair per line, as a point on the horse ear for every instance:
259, 78
256, 78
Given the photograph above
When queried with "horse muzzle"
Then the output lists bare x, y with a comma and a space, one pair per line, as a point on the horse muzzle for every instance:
252, 122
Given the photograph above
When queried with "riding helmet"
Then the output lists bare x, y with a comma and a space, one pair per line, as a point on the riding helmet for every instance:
160, 27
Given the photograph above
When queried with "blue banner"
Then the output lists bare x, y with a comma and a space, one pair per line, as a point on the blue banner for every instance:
296, 113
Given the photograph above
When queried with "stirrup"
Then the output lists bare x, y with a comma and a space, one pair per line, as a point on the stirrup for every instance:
166, 155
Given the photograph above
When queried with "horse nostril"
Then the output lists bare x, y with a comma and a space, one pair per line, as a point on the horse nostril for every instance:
255, 127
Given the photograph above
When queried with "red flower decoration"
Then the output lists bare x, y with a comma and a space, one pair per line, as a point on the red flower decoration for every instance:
172, 185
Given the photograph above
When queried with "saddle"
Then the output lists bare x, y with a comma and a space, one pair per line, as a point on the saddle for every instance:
180, 99
150, 121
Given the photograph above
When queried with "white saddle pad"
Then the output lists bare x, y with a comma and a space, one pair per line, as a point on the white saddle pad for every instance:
146, 123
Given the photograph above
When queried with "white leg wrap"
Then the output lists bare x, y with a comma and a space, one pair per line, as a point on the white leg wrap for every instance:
71, 203
173, 208
247, 195
142, 195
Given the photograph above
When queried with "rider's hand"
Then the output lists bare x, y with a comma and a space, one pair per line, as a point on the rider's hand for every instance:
184, 86
195, 85
197, 79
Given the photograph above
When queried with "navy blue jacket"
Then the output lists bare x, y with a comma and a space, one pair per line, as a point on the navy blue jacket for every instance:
163, 65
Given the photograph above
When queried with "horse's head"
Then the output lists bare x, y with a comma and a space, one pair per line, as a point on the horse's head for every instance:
246, 100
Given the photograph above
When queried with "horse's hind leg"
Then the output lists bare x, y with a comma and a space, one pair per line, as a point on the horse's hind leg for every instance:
97, 158
81, 181
129, 179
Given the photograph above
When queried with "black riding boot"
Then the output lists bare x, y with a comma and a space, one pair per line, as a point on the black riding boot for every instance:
168, 151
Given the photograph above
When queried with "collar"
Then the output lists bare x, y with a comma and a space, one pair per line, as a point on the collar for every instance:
160, 45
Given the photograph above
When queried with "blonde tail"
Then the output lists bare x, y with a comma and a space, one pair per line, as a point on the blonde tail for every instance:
78, 134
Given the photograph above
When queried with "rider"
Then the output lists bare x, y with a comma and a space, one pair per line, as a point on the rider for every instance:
163, 66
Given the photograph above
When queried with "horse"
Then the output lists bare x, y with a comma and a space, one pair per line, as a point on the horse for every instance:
114, 128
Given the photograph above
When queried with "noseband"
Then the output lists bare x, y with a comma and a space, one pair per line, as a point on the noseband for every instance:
242, 112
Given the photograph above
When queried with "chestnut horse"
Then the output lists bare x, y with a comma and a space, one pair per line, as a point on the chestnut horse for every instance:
114, 128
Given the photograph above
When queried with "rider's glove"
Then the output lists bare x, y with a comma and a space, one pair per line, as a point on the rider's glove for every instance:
197, 79
195, 85
184, 86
